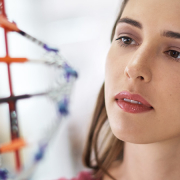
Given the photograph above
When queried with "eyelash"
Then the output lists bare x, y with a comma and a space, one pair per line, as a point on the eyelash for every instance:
176, 59
126, 45
122, 43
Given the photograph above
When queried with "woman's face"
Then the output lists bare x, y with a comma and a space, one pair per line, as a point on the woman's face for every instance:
143, 64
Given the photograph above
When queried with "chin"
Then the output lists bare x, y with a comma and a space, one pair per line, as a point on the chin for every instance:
132, 128
133, 135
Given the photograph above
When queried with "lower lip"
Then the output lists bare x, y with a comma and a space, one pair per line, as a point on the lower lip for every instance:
132, 108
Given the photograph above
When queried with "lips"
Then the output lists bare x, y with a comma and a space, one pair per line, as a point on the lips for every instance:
132, 103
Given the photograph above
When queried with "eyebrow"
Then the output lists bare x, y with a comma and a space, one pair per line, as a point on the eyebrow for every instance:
168, 34
171, 34
131, 22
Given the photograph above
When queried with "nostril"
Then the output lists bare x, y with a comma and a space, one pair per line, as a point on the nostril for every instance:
141, 77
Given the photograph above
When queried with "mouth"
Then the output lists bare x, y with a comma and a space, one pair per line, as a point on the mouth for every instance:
132, 103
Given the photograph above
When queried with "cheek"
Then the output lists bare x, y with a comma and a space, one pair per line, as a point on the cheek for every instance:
166, 83
113, 75
115, 66
168, 98
116, 63
168, 101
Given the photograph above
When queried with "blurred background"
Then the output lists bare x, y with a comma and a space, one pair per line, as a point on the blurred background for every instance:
81, 29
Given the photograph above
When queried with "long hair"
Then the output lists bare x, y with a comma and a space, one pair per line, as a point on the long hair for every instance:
102, 147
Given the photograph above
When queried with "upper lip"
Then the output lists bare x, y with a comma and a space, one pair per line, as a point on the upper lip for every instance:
135, 97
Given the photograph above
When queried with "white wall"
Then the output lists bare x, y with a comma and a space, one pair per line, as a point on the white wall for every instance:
81, 29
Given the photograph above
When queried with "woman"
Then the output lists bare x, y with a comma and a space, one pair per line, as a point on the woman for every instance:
139, 137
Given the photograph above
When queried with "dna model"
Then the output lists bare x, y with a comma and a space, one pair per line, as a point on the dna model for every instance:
59, 93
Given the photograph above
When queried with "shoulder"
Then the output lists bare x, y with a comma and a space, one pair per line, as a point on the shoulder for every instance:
84, 175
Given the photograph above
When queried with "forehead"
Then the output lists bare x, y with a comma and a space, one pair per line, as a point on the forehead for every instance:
154, 12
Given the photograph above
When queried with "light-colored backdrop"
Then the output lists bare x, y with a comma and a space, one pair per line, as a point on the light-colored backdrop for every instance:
81, 29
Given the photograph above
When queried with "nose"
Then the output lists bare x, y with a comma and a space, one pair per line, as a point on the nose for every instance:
138, 67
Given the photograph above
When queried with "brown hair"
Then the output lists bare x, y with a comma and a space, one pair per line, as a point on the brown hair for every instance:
102, 147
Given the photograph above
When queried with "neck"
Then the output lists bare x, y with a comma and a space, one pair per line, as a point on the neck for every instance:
157, 161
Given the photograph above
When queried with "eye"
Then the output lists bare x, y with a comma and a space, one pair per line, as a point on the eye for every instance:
174, 54
126, 41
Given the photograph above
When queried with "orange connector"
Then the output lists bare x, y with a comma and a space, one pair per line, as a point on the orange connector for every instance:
9, 60
13, 146
9, 26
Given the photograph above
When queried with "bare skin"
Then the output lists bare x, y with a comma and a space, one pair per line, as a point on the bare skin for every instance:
149, 66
